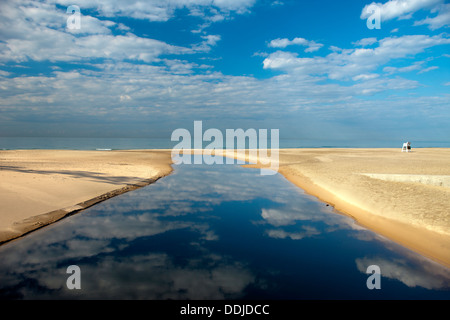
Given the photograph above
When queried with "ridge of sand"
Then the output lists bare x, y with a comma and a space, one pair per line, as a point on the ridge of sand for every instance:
39, 187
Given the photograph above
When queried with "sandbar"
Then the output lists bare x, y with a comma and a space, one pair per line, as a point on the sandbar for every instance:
39, 187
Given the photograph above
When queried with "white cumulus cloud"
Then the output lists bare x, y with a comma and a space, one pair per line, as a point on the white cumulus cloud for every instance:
283, 43
399, 8
348, 63
442, 19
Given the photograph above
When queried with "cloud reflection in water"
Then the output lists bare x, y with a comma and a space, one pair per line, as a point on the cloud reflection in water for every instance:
204, 232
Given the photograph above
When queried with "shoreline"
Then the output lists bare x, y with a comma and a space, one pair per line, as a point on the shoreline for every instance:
308, 169
427, 243
334, 176
34, 223
95, 182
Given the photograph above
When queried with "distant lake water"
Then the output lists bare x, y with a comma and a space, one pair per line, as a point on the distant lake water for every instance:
11, 143
214, 232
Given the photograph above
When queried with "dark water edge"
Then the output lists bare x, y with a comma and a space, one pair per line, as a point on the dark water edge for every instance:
219, 232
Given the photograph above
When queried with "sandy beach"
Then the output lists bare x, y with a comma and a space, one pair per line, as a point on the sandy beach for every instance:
402, 196
39, 187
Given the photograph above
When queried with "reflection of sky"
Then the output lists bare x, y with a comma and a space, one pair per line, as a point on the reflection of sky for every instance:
204, 232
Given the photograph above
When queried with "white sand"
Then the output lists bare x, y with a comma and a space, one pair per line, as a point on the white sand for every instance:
38, 187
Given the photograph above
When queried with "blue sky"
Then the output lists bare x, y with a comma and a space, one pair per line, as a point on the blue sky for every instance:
312, 69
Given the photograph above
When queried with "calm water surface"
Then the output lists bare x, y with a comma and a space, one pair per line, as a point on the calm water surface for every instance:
214, 232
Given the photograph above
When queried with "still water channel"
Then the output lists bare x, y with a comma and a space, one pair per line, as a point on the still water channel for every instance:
214, 232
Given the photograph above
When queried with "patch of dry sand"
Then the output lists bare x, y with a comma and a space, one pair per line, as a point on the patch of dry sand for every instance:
38, 187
